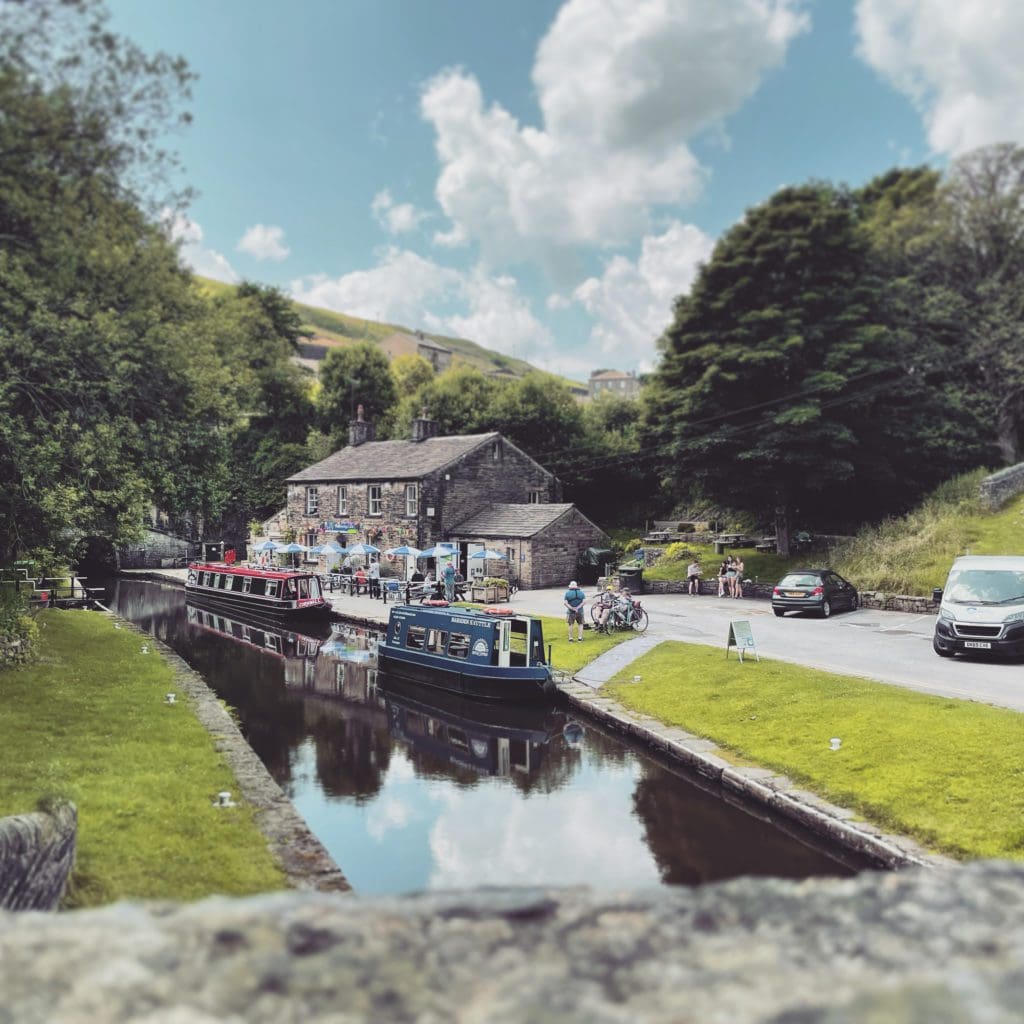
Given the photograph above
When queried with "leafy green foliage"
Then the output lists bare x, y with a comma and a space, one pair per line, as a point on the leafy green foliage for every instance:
350, 377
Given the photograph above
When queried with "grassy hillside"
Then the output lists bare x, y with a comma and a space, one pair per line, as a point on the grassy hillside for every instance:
912, 554
347, 330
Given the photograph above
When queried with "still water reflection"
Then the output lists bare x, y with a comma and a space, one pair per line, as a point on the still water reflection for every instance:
409, 790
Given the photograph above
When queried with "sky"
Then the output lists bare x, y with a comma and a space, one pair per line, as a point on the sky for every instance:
544, 177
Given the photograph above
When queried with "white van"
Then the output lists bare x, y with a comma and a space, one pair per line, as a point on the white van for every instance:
982, 606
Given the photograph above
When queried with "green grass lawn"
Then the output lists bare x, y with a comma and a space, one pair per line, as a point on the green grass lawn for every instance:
758, 567
949, 773
87, 722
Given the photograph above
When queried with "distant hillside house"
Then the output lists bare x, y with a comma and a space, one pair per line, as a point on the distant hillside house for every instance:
615, 382
418, 491
402, 344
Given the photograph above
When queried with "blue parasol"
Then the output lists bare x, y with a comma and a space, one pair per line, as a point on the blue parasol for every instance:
404, 550
363, 549
267, 545
487, 553
438, 551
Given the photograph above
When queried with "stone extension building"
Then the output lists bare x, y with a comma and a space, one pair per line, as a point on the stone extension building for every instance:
430, 489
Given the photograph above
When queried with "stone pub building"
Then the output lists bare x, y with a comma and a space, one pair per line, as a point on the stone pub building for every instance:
474, 491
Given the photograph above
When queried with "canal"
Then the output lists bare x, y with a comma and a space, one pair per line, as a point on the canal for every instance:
411, 791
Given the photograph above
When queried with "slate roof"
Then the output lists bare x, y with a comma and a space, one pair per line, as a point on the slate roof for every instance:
612, 375
508, 520
391, 460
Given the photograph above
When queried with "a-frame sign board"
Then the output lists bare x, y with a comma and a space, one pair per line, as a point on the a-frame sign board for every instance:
742, 638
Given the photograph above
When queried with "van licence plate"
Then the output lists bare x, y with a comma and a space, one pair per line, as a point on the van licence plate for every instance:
980, 644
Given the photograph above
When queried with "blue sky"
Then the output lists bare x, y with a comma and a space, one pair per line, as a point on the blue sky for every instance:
545, 176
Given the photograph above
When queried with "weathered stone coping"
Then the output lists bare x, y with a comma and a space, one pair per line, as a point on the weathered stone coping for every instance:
761, 786
302, 856
916, 946
37, 853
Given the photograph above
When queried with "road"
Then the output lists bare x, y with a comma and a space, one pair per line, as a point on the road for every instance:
892, 647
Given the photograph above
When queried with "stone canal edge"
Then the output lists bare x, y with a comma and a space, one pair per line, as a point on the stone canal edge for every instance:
303, 858
777, 794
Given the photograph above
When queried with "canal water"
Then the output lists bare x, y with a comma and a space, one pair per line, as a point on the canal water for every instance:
411, 791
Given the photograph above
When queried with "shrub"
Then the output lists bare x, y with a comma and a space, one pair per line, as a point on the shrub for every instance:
631, 545
495, 581
677, 552
16, 624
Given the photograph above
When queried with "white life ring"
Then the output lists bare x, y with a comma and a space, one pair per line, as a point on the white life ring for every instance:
390, 558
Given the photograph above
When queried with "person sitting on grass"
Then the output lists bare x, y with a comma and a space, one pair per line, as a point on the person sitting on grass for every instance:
604, 602
574, 600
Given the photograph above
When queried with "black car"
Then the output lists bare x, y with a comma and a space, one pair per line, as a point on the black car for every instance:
819, 591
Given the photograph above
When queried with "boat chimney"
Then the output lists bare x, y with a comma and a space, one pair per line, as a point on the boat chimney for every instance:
423, 427
359, 431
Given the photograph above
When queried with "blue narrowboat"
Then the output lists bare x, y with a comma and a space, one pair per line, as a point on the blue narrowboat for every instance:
493, 654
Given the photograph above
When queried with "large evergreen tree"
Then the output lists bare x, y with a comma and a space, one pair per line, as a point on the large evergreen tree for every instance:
780, 366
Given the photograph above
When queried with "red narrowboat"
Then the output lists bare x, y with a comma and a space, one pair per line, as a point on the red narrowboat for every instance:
278, 593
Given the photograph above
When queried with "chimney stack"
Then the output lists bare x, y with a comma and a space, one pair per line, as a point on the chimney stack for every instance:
424, 427
359, 431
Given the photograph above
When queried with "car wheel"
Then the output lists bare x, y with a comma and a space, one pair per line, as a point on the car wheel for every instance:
779, 612
940, 651
826, 609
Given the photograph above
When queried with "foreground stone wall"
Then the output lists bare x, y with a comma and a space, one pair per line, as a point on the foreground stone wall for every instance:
37, 853
997, 489
921, 946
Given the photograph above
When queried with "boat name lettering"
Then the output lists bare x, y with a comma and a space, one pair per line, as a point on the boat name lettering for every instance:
471, 622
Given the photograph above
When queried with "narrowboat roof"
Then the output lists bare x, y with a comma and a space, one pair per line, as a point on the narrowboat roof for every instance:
244, 570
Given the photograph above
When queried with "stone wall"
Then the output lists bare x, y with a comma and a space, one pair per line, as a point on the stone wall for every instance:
37, 853
995, 490
157, 550
553, 554
937, 946
479, 480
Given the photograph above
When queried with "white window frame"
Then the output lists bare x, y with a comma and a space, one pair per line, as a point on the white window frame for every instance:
375, 499
312, 500
342, 499
535, 496
412, 499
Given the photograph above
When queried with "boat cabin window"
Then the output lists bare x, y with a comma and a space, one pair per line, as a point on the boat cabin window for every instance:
272, 588
415, 637
458, 645
303, 588
518, 642
246, 584
272, 642
289, 588
207, 578
259, 586
437, 640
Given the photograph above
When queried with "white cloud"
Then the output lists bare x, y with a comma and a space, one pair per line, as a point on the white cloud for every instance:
188, 235
397, 218
632, 302
957, 60
408, 289
264, 242
622, 85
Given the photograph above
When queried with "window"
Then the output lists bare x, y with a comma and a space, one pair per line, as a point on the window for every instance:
436, 640
415, 637
458, 646
271, 588
536, 496
376, 500
411, 499
247, 585
343, 500
495, 451
312, 500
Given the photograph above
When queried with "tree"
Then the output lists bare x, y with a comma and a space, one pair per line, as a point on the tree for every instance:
774, 363
410, 372
356, 375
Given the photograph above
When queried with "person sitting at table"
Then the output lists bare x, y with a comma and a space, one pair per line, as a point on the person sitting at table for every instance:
416, 577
